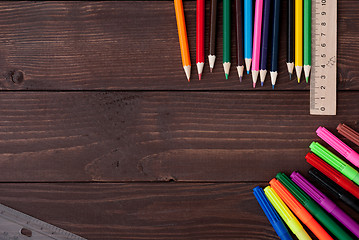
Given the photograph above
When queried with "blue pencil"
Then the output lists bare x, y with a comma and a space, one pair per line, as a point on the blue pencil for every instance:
248, 33
264, 41
275, 40
271, 214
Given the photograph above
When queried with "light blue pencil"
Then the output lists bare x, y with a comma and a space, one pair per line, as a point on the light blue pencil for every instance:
248, 33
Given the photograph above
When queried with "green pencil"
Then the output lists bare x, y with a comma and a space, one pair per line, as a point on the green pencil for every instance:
226, 36
313, 207
307, 35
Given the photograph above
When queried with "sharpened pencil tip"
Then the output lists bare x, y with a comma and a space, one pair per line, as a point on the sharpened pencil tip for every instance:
298, 80
254, 85
273, 87
226, 76
261, 84
290, 77
240, 79
189, 79
210, 69
199, 76
247, 71
307, 79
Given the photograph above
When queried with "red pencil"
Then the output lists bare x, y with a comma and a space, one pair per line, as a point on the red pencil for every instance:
333, 174
200, 37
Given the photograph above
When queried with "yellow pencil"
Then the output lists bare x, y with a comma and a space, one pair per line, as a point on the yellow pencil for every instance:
298, 38
182, 35
286, 214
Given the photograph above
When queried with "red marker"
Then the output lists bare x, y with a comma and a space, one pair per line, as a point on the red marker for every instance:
333, 174
200, 37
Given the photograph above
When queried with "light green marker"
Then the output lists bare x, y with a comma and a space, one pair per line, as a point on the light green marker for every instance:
335, 162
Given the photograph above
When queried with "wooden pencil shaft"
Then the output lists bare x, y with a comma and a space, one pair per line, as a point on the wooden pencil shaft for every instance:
182, 33
290, 31
298, 33
212, 27
226, 31
239, 32
275, 35
265, 33
307, 32
200, 31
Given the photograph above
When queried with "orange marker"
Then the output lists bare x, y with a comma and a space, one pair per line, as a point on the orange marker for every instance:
182, 35
299, 210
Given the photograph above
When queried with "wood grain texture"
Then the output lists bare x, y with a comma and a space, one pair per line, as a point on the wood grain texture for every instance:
131, 45
159, 136
146, 210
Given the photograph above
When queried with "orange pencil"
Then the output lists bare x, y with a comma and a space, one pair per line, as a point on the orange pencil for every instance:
182, 34
299, 210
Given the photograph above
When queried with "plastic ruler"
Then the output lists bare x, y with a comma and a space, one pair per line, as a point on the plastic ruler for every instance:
323, 80
15, 225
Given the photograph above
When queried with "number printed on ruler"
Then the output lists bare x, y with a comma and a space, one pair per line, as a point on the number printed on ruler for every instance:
323, 85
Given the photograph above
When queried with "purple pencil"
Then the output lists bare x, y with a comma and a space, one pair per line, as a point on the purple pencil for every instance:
325, 203
264, 40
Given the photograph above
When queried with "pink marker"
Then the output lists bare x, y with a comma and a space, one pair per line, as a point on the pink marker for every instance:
338, 145
257, 40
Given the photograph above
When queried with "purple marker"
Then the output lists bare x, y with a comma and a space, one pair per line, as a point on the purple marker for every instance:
264, 41
325, 203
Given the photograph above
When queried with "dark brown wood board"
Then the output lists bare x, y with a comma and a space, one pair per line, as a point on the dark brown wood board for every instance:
124, 45
158, 136
100, 133
146, 211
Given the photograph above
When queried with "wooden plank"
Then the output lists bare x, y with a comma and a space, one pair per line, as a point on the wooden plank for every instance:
159, 136
112, 45
146, 210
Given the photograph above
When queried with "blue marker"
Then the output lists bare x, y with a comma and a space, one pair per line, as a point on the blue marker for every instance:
271, 214
248, 33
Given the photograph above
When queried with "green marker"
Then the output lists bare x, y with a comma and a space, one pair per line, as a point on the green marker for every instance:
335, 162
307, 37
226, 36
313, 208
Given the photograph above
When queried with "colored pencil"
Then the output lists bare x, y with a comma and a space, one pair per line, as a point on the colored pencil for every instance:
200, 37
239, 39
298, 37
307, 34
257, 40
290, 38
182, 34
212, 35
226, 36
264, 42
275, 40
248, 31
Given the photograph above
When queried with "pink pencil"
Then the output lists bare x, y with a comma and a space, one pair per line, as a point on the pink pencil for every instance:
257, 40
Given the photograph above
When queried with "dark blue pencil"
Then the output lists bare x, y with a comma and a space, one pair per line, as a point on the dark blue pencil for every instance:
264, 40
275, 40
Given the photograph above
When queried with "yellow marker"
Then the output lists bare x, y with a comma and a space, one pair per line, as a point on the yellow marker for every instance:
286, 214
298, 37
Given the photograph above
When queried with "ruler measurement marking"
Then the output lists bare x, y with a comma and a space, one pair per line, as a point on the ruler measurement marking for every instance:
323, 79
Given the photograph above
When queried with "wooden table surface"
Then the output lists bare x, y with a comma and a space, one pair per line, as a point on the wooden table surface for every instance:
100, 133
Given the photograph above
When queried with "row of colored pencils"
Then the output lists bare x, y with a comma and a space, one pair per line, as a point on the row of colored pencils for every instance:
252, 39
295, 200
